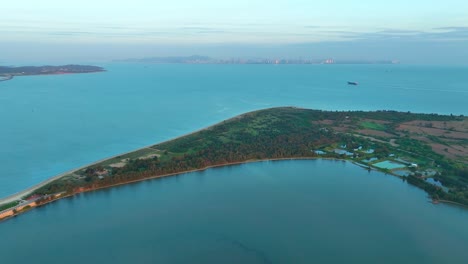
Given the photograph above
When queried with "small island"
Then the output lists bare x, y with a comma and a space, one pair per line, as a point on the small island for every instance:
429, 151
7, 73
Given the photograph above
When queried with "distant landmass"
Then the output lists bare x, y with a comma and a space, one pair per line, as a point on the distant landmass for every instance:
197, 59
7, 73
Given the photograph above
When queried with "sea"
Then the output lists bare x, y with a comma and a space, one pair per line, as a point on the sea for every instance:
267, 212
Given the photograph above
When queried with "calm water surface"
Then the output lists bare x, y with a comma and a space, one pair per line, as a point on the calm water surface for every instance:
51, 124
268, 212
309, 211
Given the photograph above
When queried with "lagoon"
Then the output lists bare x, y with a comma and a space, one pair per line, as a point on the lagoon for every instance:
298, 211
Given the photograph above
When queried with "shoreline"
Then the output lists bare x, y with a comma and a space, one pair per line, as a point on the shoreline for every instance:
9, 77
20, 194
33, 201
207, 168
6, 78
447, 202
59, 196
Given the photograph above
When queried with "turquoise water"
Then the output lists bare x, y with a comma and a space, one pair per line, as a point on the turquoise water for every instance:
51, 124
389, 165
309, 211
269, 212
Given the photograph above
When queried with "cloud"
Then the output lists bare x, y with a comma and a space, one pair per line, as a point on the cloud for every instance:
452, 28
196, 28
70, 33
226, 33
314, 27
400, 31
202, 30
213, 32
437, 34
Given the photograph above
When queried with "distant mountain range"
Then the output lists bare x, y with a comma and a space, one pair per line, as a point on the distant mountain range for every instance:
197, 59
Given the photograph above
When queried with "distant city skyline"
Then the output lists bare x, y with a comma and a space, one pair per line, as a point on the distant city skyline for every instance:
416, 31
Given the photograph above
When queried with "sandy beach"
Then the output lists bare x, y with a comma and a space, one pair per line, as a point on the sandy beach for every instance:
24, 193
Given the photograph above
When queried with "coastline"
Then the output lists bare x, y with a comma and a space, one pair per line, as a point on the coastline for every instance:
452, 203
59, 196
9, 77
5, 78
33, 204
22, 206
31, 189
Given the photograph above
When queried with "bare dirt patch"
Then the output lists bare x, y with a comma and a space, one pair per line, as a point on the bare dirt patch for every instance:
460, 126
150, 156
452, 152
380, 122
392, 141
120, 164
433, 131
324, 122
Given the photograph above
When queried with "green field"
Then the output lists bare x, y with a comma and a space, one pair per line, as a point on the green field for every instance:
372, 125
8, 205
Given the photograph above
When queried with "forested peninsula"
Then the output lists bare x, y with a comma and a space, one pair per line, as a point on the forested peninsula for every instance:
426, 150
7, 73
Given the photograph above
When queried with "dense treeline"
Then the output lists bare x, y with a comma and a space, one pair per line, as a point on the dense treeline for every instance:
438, 193
387, 115
220, 145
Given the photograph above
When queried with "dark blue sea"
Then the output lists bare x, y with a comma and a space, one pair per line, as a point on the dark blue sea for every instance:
270, 212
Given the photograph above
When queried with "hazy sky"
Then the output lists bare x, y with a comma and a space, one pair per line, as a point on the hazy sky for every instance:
105, 29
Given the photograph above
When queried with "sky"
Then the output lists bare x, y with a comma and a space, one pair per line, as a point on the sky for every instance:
417, 31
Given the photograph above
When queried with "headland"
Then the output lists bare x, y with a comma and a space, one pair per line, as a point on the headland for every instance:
425, 150
7, 73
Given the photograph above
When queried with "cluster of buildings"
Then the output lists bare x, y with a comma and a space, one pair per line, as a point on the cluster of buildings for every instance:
396, 165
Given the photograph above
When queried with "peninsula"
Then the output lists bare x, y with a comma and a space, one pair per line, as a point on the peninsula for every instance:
7, 73
429, 151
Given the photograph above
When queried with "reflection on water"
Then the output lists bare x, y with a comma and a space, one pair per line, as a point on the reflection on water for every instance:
304, 211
